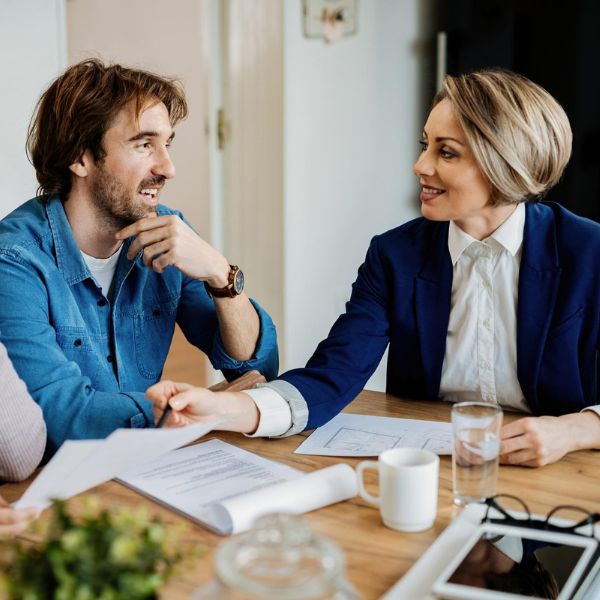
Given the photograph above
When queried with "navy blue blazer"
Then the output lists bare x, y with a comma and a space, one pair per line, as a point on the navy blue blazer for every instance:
402, 297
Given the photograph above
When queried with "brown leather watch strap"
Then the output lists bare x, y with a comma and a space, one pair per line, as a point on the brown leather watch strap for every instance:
229, 291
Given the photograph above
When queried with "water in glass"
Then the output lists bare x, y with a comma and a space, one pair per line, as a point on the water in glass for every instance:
474, 465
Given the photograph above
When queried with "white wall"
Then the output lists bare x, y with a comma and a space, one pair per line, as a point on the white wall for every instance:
32, 53
353, 115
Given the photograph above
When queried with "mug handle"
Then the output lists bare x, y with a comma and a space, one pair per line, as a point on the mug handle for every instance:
362, 492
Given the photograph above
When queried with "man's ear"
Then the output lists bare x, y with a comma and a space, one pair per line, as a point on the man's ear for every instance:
81, 167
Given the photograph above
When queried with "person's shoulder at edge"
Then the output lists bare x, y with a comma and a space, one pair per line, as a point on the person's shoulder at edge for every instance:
23, 440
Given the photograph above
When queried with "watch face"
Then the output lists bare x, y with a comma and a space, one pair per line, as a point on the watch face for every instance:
238, 282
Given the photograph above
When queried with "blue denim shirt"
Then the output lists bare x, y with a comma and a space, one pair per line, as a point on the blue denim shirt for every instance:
87, 360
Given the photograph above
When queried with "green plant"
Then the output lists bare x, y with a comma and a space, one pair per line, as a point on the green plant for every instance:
101, 555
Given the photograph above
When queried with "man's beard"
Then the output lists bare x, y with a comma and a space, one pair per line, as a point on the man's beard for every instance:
115, 206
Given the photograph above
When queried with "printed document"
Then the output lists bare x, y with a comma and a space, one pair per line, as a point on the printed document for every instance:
226, 488
82, 464
363, 435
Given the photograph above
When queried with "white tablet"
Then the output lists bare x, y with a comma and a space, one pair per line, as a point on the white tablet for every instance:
502, 562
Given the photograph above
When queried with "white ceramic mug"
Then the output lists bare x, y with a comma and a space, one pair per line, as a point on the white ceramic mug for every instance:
408, 487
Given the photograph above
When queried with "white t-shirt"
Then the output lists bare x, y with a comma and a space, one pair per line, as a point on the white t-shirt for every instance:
103, 269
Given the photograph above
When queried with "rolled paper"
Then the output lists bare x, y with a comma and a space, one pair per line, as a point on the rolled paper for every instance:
309, 492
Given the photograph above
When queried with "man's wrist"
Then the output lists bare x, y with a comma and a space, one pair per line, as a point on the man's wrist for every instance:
220, 278
238, 411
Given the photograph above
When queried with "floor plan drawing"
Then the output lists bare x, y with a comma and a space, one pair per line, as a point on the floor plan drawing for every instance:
362, 435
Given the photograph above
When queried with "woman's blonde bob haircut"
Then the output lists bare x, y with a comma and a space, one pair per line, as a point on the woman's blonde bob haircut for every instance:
519, 134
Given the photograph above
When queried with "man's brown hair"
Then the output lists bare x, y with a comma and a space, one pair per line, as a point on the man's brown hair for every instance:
79, 106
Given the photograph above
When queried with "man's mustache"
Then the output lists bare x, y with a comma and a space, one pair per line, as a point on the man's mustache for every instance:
155, 182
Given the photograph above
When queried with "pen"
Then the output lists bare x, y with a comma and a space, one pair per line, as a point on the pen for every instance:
164, 416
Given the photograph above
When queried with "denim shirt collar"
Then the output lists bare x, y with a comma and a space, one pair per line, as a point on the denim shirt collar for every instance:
68, 255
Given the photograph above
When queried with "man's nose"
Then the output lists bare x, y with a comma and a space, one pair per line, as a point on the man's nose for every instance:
164, 165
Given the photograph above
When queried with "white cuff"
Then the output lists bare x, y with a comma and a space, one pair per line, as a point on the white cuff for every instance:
595, 408
275, 413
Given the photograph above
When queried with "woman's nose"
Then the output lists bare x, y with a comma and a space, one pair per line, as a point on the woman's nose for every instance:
424, 165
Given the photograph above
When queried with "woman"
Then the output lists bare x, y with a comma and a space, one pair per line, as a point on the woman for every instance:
22, 441
491, 296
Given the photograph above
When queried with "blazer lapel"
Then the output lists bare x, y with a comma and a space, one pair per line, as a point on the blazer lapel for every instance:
433, 292
539, 276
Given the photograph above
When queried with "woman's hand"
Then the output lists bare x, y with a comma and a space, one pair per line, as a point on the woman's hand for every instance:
235, 411
538, 441
14, 521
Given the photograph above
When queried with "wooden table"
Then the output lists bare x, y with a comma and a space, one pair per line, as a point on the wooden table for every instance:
376, 556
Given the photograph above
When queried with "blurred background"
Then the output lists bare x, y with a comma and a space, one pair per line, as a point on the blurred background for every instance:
304, 120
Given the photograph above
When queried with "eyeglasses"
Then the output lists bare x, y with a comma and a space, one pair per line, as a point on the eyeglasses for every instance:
565, 519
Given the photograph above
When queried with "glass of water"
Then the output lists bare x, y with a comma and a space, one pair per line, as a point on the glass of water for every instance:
476, 436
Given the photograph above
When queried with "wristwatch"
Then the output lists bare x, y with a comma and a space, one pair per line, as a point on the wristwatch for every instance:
234, 288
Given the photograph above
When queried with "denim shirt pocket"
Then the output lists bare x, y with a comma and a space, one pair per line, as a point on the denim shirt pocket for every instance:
77, 346
153, 331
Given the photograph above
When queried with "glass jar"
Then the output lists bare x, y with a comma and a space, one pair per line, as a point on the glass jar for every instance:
279, 558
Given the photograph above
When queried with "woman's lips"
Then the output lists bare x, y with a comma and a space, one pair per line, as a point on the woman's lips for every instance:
429, 193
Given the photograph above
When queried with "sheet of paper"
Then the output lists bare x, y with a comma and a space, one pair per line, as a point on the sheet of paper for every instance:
82, 464
363, 435
226, 488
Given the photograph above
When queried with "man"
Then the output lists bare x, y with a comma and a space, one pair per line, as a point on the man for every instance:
95, 272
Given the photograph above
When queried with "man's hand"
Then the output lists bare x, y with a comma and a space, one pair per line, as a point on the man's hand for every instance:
538, 441
236, 411
168, 241
14, 521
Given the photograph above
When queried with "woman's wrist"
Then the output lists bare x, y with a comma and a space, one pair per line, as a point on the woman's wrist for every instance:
583, 430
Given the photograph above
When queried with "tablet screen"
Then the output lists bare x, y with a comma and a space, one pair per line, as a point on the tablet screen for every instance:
517, 564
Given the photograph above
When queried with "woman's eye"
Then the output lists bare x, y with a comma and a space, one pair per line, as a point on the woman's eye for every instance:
445, 153
423, 145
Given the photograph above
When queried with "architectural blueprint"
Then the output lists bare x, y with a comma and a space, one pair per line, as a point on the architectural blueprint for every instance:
362, 435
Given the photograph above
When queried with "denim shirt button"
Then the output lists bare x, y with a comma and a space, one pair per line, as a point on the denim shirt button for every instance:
77, 342
102, 302
156, 312
110, 358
